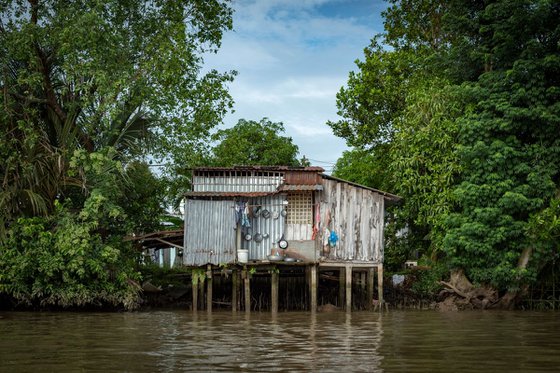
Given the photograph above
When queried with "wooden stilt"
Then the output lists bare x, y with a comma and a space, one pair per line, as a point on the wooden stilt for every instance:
209, 288
201, 293
234, 289
369, 291
380, 285
194, 296
363, 281
313, 284
341, 286
274, 291
247, 289
348, 288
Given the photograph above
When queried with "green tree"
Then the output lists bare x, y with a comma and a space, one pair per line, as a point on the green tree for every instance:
474, 138
254, 143
87, 75
88, 89
365, 167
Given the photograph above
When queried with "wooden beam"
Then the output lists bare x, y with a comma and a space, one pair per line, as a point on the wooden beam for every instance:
348, 288
247, 289
274, 290
380, 285
209, 288
341, 285
194, 296
313, 287
168, 243
234, 289
370, 282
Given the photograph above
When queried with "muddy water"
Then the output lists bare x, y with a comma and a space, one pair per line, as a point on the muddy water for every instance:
176, 341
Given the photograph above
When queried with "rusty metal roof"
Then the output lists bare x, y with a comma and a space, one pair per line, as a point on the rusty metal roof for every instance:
262, 168
300, 188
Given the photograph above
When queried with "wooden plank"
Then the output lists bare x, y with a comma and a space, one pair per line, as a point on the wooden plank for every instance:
274, 291
339, 217
341, 285
194, 296
365, 232
380, 286
234, 289
380, 226
247, 289
209, 288
370, 282
313, 287
348, 288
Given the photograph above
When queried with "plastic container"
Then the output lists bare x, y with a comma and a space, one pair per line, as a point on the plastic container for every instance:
242, 256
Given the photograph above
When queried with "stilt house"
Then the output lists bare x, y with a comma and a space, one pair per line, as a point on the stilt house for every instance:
290, 218
256, 214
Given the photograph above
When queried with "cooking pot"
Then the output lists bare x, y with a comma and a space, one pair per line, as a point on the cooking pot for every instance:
265, 214
258, 237
282, 243
248, 237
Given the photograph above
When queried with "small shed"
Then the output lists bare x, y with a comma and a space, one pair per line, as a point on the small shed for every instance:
260, 214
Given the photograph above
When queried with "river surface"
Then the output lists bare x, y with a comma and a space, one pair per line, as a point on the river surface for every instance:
180, 341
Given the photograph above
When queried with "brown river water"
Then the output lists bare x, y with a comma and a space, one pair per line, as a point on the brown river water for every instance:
180, 341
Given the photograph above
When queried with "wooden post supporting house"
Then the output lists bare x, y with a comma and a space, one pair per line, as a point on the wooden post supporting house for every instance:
348, 288
274, 290
209, 288
247, 289
234, 289
341, 286
194, 295
380, 285
369, 290
313, 287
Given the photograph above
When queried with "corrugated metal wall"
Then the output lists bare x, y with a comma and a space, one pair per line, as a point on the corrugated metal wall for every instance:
210, 233
210, 230
238, 181
273, 226
357, 217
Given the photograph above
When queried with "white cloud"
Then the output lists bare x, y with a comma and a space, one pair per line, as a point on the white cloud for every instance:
292, 57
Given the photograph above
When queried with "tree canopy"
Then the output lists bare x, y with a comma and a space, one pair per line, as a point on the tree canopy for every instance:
254, 143
90, 92
465, 104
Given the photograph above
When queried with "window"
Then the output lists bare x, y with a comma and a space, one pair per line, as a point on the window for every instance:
300, 209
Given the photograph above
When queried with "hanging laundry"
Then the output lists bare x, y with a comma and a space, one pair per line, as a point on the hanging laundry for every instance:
245, 216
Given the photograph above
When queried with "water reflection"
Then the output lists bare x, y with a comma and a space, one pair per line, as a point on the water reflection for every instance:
325, 342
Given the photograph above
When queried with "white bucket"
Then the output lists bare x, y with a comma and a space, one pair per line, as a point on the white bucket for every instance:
242, 256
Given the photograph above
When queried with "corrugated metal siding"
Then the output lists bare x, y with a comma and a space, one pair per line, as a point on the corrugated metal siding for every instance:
210, 233
357, 217
271, 226
237, 182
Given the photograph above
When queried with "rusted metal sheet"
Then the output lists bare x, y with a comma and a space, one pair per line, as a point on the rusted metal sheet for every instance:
210, 233
357, 216
302, 177
300, 188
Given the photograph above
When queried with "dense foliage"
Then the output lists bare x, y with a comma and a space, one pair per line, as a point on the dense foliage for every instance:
90, 91
465, 105
254, 143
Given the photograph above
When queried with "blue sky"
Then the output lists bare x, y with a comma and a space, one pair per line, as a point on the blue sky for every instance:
292, 58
